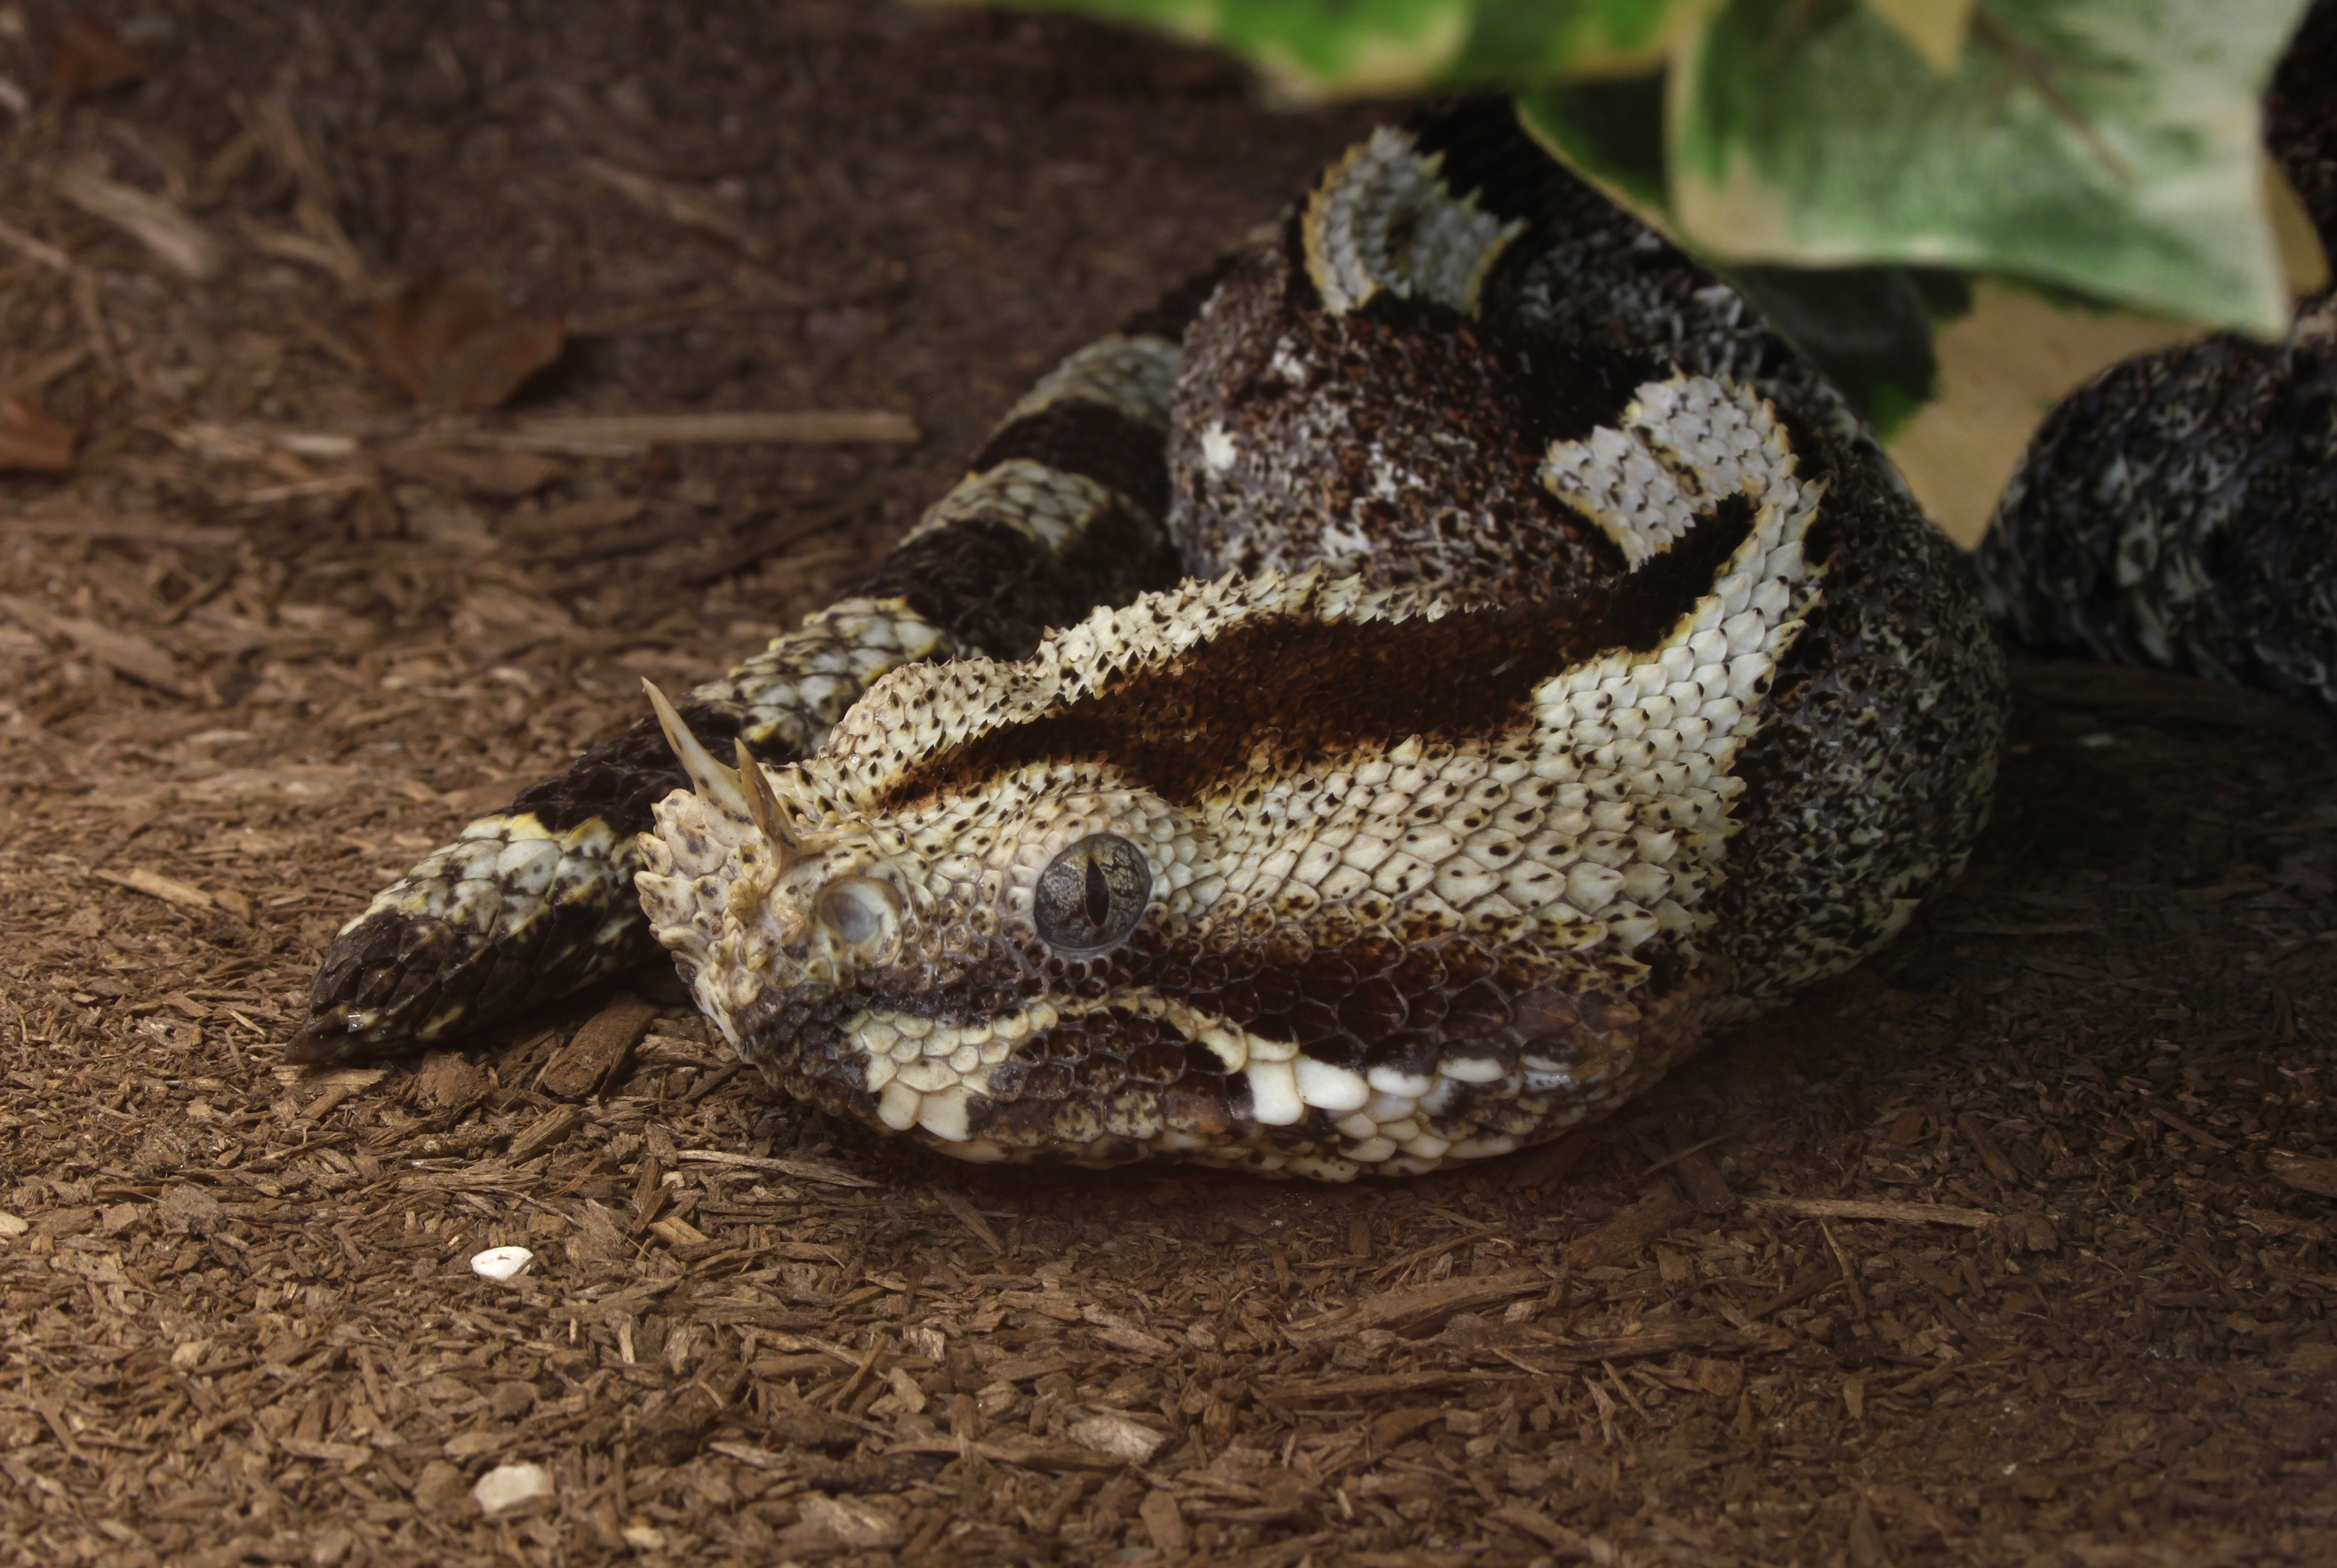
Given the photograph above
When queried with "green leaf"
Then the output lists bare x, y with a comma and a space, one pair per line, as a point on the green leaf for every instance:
1935, 29
1611, 132
2110, 145
1868, 328
1331, 48
1517, 43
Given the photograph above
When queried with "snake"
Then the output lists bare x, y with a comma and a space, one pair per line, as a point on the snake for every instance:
1382, 707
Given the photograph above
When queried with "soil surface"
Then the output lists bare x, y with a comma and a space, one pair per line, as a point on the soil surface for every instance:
2012, 1247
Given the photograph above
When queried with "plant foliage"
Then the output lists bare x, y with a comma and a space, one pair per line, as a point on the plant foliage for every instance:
1846, 162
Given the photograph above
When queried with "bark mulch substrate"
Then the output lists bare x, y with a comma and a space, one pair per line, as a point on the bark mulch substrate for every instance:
2012, 1247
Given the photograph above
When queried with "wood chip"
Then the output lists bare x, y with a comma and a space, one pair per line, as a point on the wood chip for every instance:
1422, 1306
963, 1211
1632, 1346
122, 651
1983, 1143
807, 1169
1873, 1209
677, 204
2305, 1173
34, 248
2199, 1135
1533, 1521
177, 239
626, 432
1378, 1385
90, 58
598, 1052
452, 345
547, 1131
1701, 1182
32, 441
502, 474
1629, 1234
678, 1231
154, 885
1164, 1521
136, 530
339, 1084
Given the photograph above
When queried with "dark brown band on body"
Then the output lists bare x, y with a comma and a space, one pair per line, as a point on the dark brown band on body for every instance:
993, 587
619, 781
1286, 692
1093, 440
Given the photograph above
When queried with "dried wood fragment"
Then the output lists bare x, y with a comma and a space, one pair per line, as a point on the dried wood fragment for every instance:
154, 885
1877, 1208
2305, 1173
677, 204
1389, 1427
503, 474
1530, 1520
90, 58
964, 1211
449, 1080
338, 1086
545, 1131
1135, 1341
1634, 1346
628, 433
32, 441
34, 248
1377, 1385
138, 530
1419, 1307
174, 237
2199, 1135
1164, 1520
802, 1166
1624, 1236
450, 344
591, 1059
1983, 1142
121, 652
1699, 1178
678, 1231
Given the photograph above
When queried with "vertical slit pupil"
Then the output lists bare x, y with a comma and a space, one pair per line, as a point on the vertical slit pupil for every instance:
1099, 893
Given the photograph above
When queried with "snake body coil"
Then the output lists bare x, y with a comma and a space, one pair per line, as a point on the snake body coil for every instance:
1485, 660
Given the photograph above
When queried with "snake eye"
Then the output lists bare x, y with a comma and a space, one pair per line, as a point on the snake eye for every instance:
1090, 896
860, 910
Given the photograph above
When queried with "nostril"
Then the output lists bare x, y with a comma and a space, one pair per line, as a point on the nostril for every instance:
858, 909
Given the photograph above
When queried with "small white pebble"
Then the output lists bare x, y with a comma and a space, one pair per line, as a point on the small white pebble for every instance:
507, 1485
502, 1263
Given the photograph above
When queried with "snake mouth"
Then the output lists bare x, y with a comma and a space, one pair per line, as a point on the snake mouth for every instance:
1142, 1070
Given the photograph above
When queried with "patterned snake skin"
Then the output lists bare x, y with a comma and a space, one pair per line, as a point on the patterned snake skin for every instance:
1487, 660
2180, 511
